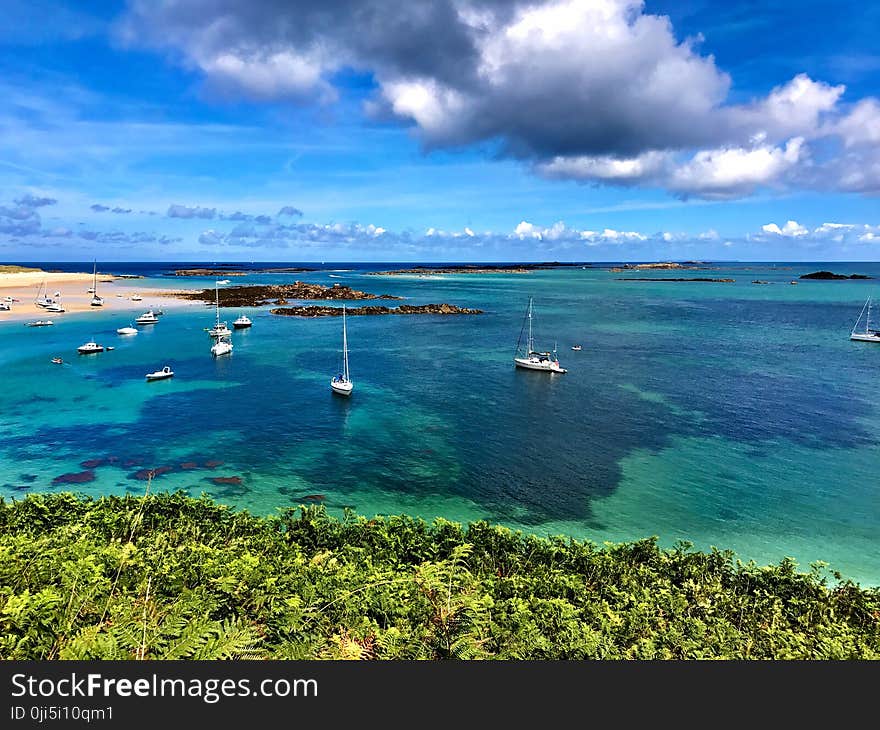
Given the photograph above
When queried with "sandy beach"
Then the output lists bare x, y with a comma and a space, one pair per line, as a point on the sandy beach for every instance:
22, 287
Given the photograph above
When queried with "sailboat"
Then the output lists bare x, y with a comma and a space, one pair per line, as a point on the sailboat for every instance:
868, 334
531, 359
43, 299
219, 329
222, 346
342, 384
96, 300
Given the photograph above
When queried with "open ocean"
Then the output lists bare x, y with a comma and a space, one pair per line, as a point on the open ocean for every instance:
732, 415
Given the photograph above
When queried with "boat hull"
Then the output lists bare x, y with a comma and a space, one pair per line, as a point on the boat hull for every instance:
865, 337
543, 366
341, 388
221, 349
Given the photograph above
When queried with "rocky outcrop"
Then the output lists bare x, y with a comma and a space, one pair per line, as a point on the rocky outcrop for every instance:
316, 311
224, 272
698, 278
473, 269
256, 296
827, 276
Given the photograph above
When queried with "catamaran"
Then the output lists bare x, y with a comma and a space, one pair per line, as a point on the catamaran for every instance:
219, 329
96, 300
342, 384
531, 359
868, 334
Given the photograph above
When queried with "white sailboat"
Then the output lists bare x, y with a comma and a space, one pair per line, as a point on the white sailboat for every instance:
96, 300
868, 334
43, 299
219, 329
222, 346
531, 359
342, 384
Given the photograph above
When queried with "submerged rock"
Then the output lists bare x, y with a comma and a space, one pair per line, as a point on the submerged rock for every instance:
80, 477
226, 480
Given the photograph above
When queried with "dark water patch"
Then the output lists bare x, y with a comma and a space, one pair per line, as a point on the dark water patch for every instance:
225, 480
29, 478
213, 464
151, 473
189, 465
17, 487
93, 463
80, 477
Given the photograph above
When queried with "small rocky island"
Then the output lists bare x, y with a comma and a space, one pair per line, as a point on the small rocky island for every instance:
259, 295
237, 272
698, 278
662, 265
828, 276
317, 311
474, 269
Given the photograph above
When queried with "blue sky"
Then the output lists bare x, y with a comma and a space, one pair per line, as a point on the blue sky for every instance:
448, 130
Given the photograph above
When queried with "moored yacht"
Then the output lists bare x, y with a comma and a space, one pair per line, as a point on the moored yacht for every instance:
868, 334
342, 384
531, 359
127, 330
162, 374
147, 318
223, 346
242, 322
89, 348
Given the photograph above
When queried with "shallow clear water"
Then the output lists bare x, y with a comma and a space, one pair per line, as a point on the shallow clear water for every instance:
735, 415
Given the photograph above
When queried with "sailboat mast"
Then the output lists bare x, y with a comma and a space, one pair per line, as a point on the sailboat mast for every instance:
868, 318
217, 293
95, 278
531, 341
344, 347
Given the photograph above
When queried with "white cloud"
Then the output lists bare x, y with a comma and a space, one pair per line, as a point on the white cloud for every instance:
790, 229
605, 167
731, 172
862, 125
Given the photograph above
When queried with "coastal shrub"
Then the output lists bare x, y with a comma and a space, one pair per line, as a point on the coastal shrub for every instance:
168, 576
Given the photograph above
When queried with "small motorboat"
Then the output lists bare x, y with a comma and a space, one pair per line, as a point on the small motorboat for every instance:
136, 298
127, 331
165, 372
57, 361
223, 281
5, 307
242, 323
147, 318
40, 323
576, 348
90, 348
57, 308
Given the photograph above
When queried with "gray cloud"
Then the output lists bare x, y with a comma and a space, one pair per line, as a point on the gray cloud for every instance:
599, 92
32, 201
183, 211
239, 216
291, 211
98, 208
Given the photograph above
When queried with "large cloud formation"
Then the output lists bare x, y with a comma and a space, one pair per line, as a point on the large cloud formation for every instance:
596, 91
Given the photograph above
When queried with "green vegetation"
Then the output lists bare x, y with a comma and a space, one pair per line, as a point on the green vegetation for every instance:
168, 576
11, 269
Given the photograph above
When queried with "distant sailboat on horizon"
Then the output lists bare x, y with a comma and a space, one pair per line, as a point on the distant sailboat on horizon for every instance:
341, 383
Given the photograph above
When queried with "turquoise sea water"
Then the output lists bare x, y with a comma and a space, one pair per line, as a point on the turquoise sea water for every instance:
735, 415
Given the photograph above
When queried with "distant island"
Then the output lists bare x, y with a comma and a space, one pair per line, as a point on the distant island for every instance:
660, 265
827, 276
222, 271
474, 269
316, 311
259, 295
698, 278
